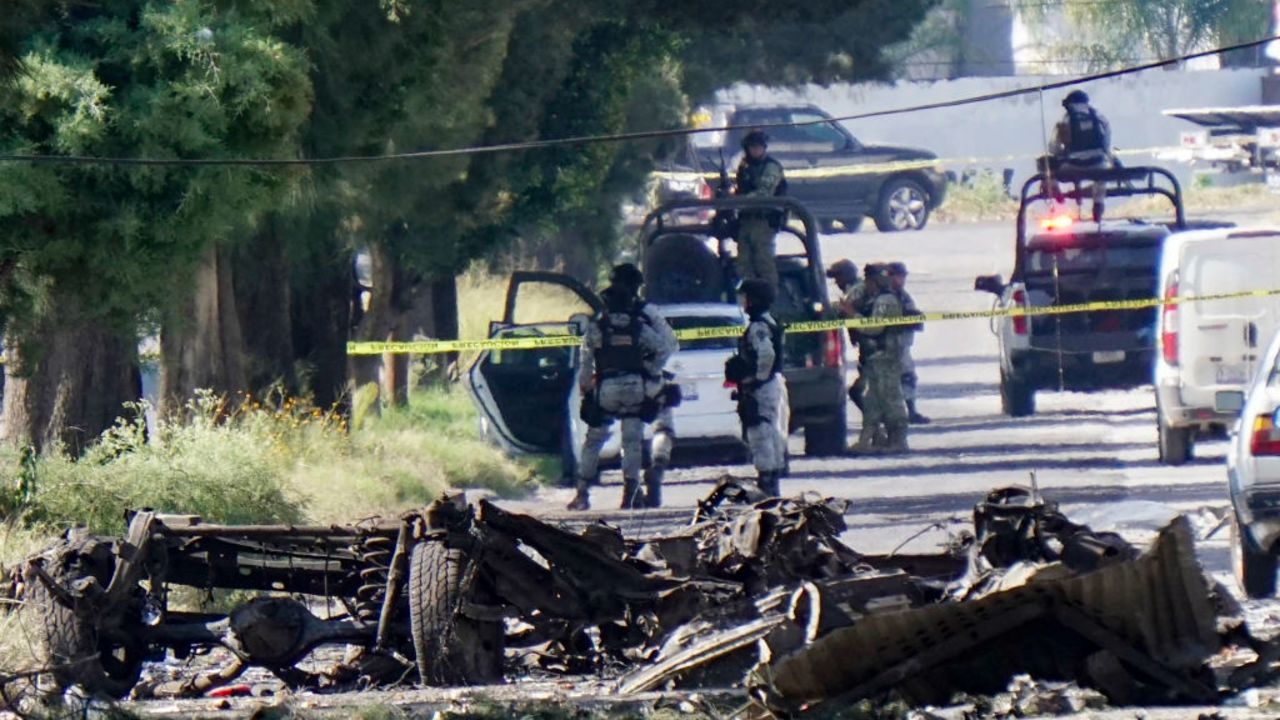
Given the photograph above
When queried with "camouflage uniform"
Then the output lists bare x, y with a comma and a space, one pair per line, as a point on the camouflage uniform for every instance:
765, 387
852, 305
757, 247
909, 378
621, 395
882, 368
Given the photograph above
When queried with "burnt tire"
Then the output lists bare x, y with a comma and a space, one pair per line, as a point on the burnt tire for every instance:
1174, 443
827, 439
1255, 569
75, 652
1017, 397
451, 648
903, 205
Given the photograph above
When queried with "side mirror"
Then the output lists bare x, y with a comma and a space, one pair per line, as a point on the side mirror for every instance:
1228, 401
578, 323
993, 284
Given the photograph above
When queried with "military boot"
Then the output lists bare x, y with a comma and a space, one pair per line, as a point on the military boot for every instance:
897, 444
632, 497
653, 484
582, 500
914, 416
866, 444
769, 484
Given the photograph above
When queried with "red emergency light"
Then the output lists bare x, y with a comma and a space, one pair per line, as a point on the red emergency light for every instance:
1057, 222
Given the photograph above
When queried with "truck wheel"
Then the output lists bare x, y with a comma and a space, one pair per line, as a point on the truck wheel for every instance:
75, 651
827, 439
451, 648
846, 225
1017, 398
904, 205
1255, 570
1175, 443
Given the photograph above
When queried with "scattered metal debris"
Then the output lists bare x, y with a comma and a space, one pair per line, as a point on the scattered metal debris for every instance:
756, 590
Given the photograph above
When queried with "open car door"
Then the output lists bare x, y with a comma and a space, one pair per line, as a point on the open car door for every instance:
522, 393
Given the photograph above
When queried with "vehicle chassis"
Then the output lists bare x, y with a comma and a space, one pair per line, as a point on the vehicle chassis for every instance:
434, 585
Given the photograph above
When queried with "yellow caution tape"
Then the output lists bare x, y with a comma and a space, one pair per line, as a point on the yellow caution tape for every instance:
869, 168
431, 347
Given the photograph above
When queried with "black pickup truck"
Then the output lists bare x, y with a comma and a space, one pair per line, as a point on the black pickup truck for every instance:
828, 169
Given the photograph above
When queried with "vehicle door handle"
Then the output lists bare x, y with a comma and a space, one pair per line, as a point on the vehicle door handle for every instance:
1251, 334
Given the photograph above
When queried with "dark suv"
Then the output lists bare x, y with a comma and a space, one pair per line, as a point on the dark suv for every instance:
1068, 262
828, 169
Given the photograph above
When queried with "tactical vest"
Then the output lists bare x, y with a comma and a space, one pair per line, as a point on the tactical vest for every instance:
621, 351
1088, 141
749, 354
749, 176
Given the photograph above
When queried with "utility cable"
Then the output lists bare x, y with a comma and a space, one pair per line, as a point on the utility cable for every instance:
621, 137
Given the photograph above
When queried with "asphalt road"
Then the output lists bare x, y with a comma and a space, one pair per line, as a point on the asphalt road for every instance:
1094, 453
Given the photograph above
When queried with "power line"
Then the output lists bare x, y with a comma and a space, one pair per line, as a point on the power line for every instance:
621, 137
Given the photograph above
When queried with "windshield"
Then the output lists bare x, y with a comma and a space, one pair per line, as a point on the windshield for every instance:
700, 321
1077, 259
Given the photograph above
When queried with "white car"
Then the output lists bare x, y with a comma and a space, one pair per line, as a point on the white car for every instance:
1253, 475
1211, 346
528, 400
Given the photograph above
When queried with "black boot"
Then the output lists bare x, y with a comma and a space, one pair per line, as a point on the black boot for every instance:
769, 484
632, 497
581, 501
653, 484
914, 416
897, 439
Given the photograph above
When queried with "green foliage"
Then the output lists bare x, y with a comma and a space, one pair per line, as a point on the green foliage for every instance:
1120, 32
141, 78
262, 464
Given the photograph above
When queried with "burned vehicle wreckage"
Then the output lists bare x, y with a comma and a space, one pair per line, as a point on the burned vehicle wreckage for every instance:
756, 593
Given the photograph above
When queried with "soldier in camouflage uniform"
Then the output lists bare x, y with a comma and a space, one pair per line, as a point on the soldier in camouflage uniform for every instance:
756, 369
759, 175
849, 305
882, 368
910, 381
623, 353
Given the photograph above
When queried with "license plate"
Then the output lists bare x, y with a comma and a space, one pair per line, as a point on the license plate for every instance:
1232, 374
1108, 356
688, 392
1273, 181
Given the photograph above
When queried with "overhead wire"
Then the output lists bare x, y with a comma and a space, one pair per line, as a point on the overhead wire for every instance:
622, 137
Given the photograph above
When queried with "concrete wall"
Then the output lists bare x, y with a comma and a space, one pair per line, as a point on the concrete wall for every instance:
1132, 104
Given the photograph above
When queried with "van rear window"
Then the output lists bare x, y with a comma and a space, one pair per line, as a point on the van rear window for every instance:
1079, 259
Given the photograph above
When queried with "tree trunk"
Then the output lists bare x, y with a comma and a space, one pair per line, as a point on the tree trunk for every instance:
444, 316
262, 291
377, 320
201, 347
68, 381
322, 315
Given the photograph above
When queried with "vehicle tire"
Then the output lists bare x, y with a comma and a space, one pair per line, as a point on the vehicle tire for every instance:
1175, 443
846, 225
903, 205
1017, 398
1254, 570
74, 650
827, 439
451, 648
